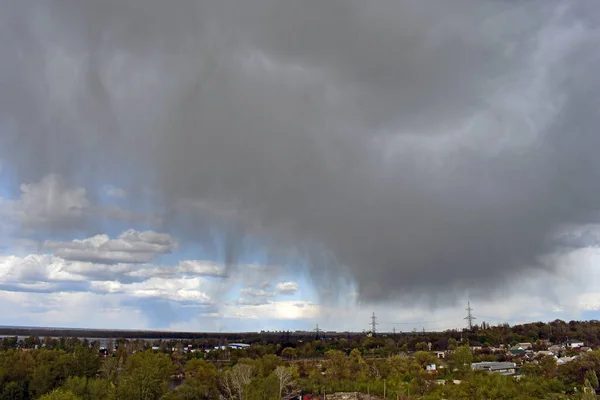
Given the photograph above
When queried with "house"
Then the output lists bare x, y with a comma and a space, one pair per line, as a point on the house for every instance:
504, 368
440, 354
517, 351
555, 348
238, 345
524, 346
564, 360
574, 344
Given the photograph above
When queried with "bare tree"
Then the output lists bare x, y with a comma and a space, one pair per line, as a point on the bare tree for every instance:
285, 377
235, 381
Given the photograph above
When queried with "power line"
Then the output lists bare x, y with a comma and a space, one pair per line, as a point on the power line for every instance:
373, 323
317, 330
469, 316
409, 323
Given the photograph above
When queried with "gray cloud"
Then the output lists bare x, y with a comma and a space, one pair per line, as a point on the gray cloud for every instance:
113, 191
183, 268
52, 204
256, 293
405, 147
130, 247
254, 297
287, 287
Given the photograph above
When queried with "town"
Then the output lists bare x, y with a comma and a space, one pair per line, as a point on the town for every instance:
557, 359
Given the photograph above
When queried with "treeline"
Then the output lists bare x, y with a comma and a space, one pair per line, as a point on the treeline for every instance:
80, 374
557, 331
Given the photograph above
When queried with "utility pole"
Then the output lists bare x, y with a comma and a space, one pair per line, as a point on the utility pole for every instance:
469, 317
317, 330
373, 323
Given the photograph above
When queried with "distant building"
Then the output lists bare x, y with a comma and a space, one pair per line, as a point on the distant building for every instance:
564, 360
517, 351
574, 344
504, 368
238, 345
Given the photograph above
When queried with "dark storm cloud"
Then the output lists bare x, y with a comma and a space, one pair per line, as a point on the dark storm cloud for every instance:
413, 146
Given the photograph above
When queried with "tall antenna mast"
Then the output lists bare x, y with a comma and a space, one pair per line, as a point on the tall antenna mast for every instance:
373, 324
469, 316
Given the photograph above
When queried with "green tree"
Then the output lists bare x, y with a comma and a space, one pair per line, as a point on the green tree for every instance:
60, 394
548, 366
202, 377
87, 389
421, 346
189, 391
337, 366
145, 377
43, 380
84, 362
357, 367
16, 365
461, 359
14, 391
592, 378
112, 368
288, 353
424, 358
262, 388
530, 369
589, 393
452, 344
269, 363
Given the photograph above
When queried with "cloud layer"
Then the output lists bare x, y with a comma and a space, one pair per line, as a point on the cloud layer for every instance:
433, 147
129, 247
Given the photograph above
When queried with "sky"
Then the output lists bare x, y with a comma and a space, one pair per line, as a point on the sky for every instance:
248, 165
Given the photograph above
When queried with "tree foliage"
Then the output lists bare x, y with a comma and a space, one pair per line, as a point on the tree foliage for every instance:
398, 366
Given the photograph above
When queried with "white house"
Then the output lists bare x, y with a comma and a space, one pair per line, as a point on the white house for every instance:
574, 344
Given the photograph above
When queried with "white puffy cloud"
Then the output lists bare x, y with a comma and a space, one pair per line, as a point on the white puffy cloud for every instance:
287, 288
130, 247
181, 290
34, 268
